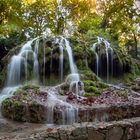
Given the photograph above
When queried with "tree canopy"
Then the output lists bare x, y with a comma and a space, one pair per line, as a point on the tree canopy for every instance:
115, 20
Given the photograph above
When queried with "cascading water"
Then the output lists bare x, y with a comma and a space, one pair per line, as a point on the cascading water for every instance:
64, 44
14, 71
61, 62
36, 63
97, 58
74, 76
44, 59
51, 63
68, 112
17, 66
61, 56
107, 48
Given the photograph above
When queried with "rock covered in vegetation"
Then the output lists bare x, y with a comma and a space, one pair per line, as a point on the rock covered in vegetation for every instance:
25, 105
136, 85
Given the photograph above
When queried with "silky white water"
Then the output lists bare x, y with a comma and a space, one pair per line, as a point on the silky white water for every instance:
68, 112
102, 42
65, 44
97, 58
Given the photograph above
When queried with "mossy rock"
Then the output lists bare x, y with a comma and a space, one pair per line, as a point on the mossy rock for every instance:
37, 113
20, 92
92, 89
48, 50
22, 106
20, 110
89, 94
136, 88
29, 86
65, 87
80, 64
89, 83
79, 52
102, 85
87, 74
14, 110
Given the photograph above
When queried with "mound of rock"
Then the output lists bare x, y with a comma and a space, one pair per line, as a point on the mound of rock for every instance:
26, 105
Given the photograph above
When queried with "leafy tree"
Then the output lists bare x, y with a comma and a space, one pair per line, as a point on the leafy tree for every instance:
120, 18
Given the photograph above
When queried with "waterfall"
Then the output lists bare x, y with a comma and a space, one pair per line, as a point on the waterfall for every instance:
44, 70
73, 67
68, 112
107, 48
19, 65
51, 63
14, 71
97, 58
64, 44
61, 62
36, 63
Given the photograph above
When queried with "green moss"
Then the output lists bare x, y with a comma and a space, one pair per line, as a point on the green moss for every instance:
20, 92
102, 85
48, 50
26, 87
6, 108
7, 102
89, 94
87, 74
80, 64
19, 111
78, 51
89, 83
91, 89
36, 112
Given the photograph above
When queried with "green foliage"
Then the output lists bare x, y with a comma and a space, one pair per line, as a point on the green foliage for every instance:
15, 38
